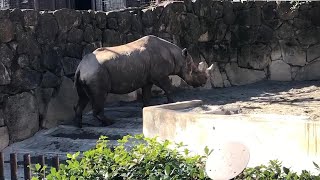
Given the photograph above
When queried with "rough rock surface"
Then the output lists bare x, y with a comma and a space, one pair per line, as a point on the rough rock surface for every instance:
276, 53
256, 57
4, 137
60, 108
30, 17
313, 52
47, 29
6, 55
241, 76
75, 35
215, 76
24, 79
50, 80
43, 97
4, 75
6, 30
309, 72
280, 71
1, 118
21, 116
67, 19
70, 65
292, 54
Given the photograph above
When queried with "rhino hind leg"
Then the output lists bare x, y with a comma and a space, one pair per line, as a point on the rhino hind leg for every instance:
146, 94
98, 109
166, 86
82, 103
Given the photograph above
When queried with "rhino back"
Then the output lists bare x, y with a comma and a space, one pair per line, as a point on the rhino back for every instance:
131, 66
88, 67
128, 72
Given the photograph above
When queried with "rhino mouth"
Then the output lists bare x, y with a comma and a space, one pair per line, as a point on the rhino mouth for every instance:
199, 83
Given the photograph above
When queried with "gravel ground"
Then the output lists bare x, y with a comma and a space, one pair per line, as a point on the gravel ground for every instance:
295, 98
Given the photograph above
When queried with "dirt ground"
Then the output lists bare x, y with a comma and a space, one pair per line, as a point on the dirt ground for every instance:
290, 98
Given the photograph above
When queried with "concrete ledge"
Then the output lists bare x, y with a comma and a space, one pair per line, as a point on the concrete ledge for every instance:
294, 140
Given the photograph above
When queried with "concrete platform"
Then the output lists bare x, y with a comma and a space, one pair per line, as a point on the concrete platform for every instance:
294, 140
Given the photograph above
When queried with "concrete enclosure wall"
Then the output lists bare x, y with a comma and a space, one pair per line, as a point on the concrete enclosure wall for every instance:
245, 42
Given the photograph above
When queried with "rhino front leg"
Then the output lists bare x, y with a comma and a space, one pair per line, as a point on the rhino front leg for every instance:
146, 94
166, 86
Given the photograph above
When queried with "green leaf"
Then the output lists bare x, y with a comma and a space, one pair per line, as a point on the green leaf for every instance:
43, 168
316, 165
186, 151
286, 170
167, 170
69, 156
53, 170
206, 150
37, 166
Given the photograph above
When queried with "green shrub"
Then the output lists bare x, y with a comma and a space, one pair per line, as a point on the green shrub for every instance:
149, 159
274, 170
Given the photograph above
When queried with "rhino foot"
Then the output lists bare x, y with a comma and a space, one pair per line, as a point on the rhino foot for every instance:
105, 121
76, 122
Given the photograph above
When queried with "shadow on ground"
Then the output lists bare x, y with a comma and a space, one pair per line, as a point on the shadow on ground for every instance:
259, 92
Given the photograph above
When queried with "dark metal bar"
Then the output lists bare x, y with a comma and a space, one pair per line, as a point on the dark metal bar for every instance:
42, 163
36, 5
13, 166
54, 5
17, 4
69, 4
93, 5
1, 166
27, 164
56, 162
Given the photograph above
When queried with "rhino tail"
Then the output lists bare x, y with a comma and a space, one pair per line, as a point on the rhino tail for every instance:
76, 78
81, 87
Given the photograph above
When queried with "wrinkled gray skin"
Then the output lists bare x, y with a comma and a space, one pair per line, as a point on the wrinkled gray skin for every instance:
126, 68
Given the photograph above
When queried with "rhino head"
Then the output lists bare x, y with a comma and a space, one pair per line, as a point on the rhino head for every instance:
193, 74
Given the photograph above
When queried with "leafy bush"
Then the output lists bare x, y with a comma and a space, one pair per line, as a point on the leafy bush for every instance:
149, 159
274, 170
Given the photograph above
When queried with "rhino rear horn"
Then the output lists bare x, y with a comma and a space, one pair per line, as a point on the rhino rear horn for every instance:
209, 69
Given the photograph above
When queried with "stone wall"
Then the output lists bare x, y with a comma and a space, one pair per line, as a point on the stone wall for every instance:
245, 42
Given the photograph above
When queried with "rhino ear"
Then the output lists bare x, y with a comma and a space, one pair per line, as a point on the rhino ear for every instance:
184, 52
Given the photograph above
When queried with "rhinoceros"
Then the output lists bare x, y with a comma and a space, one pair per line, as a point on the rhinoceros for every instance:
123, 69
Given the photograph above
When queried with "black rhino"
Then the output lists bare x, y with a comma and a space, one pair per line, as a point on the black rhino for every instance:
126, 68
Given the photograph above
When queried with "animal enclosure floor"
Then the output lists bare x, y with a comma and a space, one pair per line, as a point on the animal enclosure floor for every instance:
291, 98
287, 98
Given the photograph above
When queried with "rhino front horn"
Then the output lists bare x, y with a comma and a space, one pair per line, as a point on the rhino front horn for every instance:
202, 66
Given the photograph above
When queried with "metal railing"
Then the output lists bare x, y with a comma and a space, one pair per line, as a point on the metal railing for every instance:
4, 4
109, 5
27, 163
